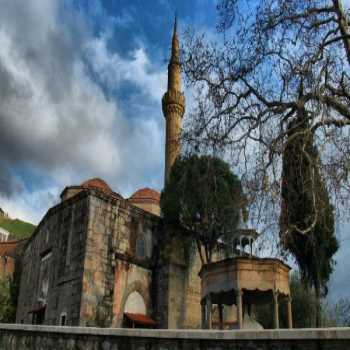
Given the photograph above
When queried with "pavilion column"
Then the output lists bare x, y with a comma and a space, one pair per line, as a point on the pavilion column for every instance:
276, 322
239, 308
289, 312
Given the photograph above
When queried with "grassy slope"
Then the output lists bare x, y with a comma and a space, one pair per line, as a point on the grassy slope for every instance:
17, 228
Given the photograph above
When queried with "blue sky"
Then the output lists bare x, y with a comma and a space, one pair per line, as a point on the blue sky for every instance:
80, 96
81, 85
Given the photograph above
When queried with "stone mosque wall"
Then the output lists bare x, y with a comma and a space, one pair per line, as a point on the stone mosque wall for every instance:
52, 265
92, 253
119, 248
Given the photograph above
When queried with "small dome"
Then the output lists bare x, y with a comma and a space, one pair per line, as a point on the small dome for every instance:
98, 184
146, 195
92, 184
146, 199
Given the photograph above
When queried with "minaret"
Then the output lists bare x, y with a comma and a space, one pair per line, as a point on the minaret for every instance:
173, 104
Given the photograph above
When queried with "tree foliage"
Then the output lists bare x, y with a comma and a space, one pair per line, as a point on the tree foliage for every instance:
7, 305
205, 198
304, 303
307, 219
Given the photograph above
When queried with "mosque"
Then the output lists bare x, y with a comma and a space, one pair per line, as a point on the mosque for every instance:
98, 259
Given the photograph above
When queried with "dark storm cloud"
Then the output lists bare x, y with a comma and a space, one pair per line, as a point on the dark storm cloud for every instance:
8, 185
54, 117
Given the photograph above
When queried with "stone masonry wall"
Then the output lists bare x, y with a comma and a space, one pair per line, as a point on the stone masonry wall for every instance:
26, 337
52, 265
119, 249
179, 297
184, 288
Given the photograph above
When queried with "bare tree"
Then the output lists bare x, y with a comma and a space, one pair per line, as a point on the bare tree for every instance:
278, 75
274, 62
338, 313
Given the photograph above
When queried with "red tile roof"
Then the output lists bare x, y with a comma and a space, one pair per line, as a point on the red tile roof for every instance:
97, 183
146, 195
140, 319
8, 248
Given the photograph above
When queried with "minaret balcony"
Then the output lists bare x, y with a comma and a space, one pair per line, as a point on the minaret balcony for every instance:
173, 98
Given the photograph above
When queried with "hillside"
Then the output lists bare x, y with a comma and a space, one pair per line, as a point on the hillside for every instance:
18, 229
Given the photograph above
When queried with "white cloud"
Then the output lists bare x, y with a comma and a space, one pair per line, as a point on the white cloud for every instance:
57, 119
113, 69
30, 206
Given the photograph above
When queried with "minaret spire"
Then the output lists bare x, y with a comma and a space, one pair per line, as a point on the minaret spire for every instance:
174, 67
173, 103
175, 50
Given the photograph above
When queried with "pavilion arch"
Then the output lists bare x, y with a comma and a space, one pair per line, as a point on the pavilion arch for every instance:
135, 304
136, 307
139, 292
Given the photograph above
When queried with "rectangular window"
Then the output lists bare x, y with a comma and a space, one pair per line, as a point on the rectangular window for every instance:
45, 268
63, 319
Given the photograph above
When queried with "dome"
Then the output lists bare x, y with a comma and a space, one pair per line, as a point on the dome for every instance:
98, 184
146, 195
92, 184
146, 199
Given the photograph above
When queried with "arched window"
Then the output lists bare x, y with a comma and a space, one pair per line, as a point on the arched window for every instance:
141, 247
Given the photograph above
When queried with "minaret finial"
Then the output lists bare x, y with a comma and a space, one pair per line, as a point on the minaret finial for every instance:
175, 22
